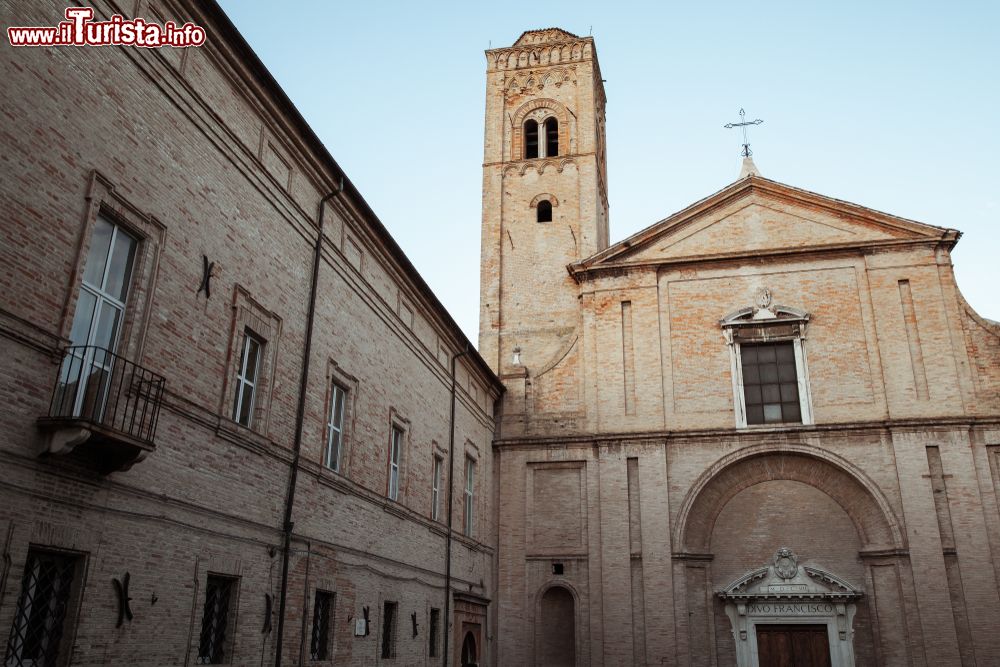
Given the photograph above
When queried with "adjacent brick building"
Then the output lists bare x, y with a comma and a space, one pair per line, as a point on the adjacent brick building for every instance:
765, 430
166, 205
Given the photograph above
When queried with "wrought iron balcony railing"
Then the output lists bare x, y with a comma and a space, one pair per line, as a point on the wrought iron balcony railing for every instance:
106, 401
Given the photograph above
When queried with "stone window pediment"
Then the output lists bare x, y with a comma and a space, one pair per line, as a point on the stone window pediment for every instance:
768, 363
764, 321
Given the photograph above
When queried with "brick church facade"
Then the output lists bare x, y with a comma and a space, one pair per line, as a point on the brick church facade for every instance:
239, 428
763, 431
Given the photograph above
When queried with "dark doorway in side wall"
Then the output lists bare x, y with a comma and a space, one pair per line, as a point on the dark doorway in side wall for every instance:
470, 657
556, 627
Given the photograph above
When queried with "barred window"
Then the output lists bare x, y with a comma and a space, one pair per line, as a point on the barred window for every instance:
389, 629
214, 644
40, 621
319, 647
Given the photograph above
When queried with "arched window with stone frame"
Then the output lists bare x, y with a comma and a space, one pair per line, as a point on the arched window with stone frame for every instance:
541, 128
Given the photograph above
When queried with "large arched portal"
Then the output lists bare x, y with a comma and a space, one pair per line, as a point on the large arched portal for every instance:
555, 639
822, 509
752, 525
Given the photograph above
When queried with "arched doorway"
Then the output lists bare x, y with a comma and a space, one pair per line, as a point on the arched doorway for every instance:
470, 657
556, 629
819, 504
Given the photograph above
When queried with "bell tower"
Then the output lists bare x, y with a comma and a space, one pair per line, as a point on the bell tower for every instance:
545, 206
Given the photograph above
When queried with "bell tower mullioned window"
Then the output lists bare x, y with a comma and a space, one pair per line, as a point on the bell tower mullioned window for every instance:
544, 143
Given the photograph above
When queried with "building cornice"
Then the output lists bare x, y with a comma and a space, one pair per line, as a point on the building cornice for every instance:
793, 432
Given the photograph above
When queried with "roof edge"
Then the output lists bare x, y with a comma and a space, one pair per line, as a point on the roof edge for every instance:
743, 187
232, 36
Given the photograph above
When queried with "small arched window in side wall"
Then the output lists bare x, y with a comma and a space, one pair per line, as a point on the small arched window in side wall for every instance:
551, 137
544, 211
530, 139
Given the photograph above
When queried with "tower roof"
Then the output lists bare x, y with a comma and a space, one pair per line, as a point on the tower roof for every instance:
544, 36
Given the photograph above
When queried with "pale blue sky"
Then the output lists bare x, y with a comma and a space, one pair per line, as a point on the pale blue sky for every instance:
891, 105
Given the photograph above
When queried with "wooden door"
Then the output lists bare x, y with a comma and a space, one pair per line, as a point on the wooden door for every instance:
793, 646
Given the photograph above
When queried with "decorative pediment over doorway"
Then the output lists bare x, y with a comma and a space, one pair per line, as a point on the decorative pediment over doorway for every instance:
784, 594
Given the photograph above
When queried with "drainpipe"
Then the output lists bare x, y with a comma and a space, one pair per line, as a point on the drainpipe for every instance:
451, 495
293, 476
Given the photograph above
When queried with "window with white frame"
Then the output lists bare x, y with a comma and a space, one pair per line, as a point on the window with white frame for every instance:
395, 455
97, 323
335, 428
768, 363
470, 485
246, 379
436, 488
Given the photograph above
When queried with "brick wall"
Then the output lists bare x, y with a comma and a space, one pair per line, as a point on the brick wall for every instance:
195, 153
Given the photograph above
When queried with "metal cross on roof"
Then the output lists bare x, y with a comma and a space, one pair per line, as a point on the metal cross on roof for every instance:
743, 124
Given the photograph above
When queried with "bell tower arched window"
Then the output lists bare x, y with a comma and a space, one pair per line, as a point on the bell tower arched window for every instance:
551, 137
544, 211
530, 139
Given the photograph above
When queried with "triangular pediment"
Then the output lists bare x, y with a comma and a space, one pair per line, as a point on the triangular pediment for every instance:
544, 36
785, 578
756, 216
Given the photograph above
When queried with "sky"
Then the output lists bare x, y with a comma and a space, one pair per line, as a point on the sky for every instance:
890, 105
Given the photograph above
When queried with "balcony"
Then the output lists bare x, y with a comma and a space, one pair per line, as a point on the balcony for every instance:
104, 409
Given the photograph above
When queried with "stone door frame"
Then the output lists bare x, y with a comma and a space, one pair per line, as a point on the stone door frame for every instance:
838, 617
786, 593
